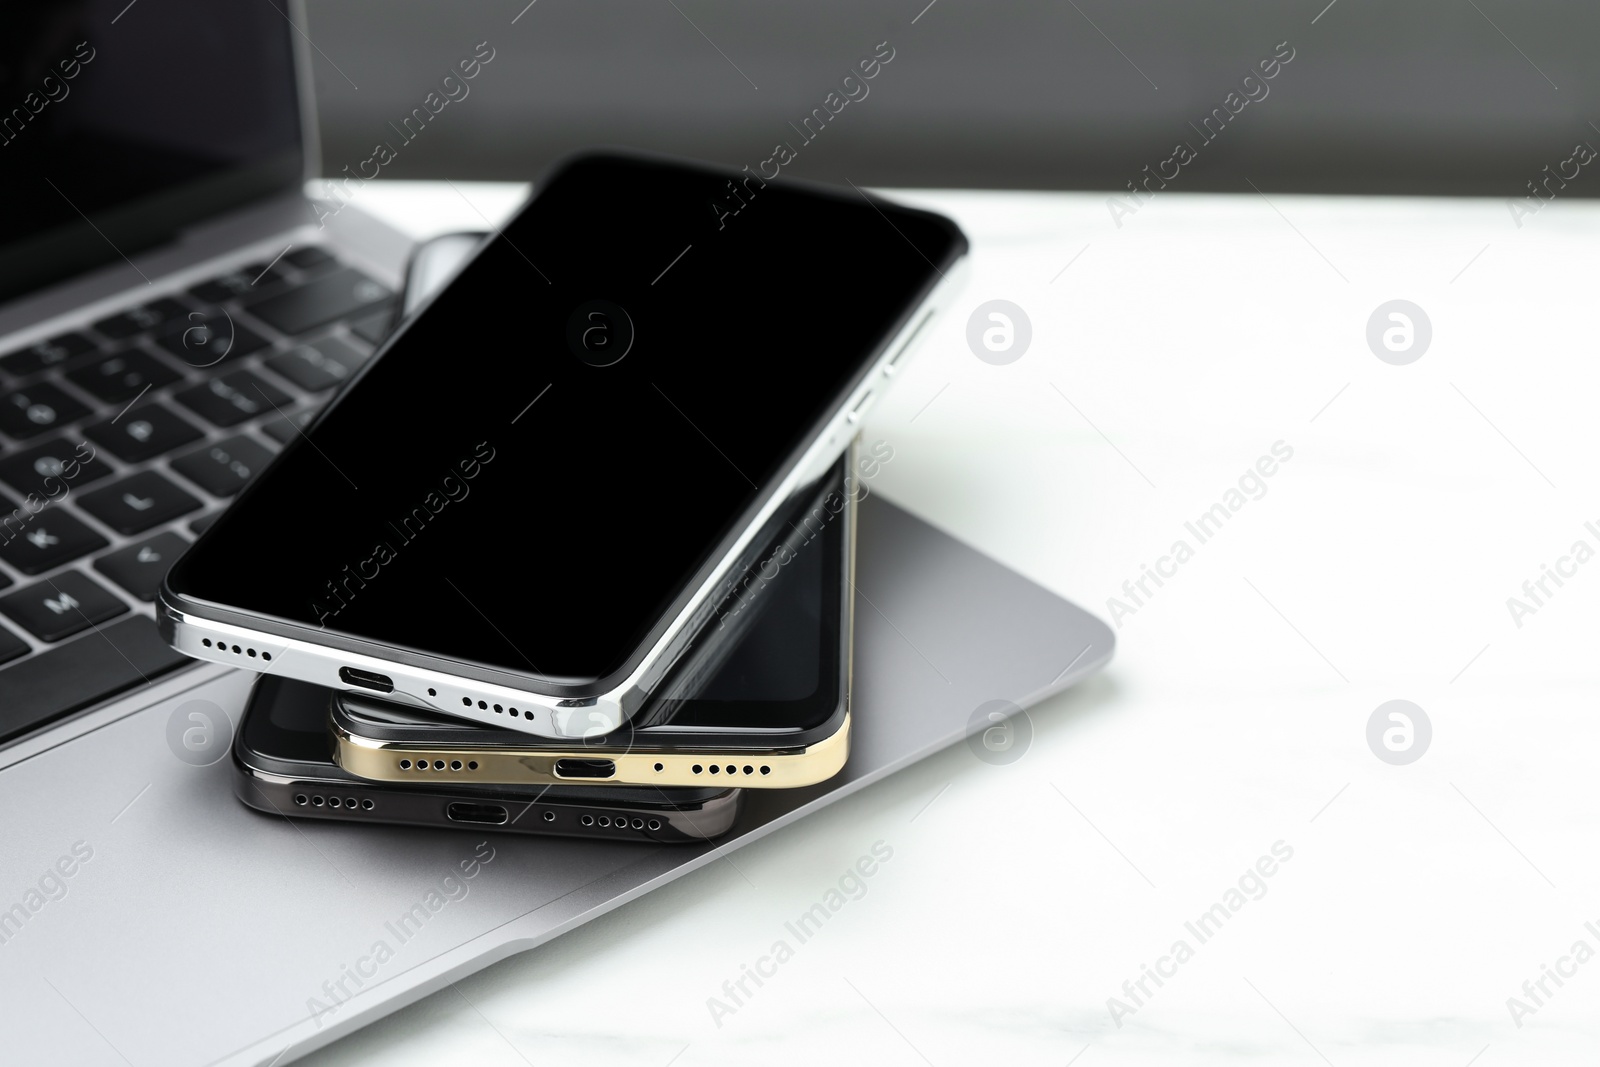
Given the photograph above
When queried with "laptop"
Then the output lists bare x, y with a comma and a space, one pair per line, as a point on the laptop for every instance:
172, 308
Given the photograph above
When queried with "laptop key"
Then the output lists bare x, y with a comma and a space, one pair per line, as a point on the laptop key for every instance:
61, 606
51, 469
71, 677
335, 295
220, 290
142, 433
122, 375
11, 646
232, 398
46, 540
308, 258
139, 568
374, 328
138, 502
223, 468
246, 281
140, 319
51, 353
13, 521
39, 408
207, 340
286, 428
203, 523
319, 365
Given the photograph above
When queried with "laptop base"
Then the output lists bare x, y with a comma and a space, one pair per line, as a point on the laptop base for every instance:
146, 916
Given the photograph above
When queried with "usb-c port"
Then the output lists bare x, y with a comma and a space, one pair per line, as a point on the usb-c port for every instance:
366, 679
484, 814
585, 768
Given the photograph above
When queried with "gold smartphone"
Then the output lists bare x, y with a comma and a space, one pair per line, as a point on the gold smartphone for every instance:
517, 763
775, 714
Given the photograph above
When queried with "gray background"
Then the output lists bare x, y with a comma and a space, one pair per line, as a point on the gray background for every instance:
1405, 97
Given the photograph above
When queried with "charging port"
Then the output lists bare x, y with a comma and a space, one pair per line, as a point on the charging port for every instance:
484, 814
585, 768
366, 679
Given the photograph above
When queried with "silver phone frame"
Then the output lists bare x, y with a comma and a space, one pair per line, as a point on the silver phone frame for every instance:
543, 714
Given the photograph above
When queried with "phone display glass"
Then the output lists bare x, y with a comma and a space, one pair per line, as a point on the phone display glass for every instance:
783, 682
547, 459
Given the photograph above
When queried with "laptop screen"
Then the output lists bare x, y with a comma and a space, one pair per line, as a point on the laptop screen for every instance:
122, 123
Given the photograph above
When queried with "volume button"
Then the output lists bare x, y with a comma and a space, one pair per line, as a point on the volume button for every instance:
860, 410
905, 346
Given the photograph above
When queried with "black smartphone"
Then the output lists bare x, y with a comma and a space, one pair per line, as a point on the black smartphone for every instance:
775, 714
282, 766
537, 492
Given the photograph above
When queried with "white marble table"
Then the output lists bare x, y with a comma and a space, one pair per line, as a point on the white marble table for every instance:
1168, 356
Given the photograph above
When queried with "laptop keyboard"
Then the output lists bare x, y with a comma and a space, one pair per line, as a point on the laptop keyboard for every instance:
122, 440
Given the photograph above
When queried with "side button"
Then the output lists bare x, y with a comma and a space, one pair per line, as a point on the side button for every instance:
894, 361
859, 412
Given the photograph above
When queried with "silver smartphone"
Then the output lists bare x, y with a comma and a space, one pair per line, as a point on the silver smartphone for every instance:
551, 476
775, 715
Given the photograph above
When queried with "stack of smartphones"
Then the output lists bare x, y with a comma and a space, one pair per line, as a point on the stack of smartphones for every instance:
573, 554
773, 714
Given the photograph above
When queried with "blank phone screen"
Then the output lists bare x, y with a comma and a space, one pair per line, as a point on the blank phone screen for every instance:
534, 470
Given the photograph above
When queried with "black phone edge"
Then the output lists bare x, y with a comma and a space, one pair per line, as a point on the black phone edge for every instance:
357, 800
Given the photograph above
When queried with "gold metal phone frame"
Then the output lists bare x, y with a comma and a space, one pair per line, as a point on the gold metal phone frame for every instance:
396, 761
